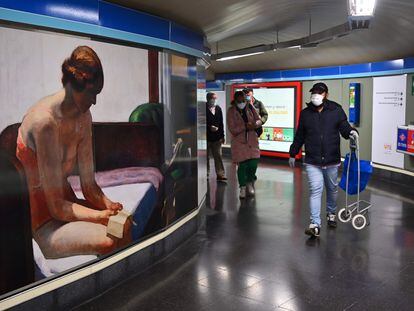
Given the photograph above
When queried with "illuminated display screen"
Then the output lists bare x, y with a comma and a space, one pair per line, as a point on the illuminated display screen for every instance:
278, 131
283, 102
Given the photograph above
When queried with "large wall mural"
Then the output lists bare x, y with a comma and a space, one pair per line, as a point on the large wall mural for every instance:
85, 165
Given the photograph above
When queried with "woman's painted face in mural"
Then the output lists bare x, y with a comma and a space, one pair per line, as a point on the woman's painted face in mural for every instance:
86, 98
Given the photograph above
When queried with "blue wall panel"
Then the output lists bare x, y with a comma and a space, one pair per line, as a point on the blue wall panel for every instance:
357, 68
186, 37
409, 62
86, 11
234, 76
214, 85
296, 73
397, 64
117, 17
267, 75
324, 71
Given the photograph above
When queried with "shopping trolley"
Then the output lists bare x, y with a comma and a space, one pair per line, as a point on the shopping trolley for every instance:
358, 210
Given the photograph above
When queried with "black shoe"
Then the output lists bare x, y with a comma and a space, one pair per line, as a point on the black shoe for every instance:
331, 219
313, 230
221, 178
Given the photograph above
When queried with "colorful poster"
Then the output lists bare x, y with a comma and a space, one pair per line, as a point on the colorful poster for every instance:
410, 141
280, 106
352, 96
388, 112
278, 134
267, 134
402, 138
288, 135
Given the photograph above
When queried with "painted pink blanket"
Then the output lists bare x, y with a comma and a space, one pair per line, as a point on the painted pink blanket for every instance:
123, 176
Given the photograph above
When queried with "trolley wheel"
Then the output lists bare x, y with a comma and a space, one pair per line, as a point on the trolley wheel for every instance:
344, 215
359, 222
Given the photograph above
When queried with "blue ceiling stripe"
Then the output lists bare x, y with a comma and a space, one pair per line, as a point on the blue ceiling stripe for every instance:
409, 62
95, 17
388, 65
324, 71
399, 66
117, 17
85, 11
355, 68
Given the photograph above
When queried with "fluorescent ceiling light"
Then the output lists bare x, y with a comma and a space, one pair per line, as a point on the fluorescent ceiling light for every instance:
359, 8
237, 56
294, 47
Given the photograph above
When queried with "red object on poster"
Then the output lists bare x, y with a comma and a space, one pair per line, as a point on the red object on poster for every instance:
278, 134
410, 141
298, 107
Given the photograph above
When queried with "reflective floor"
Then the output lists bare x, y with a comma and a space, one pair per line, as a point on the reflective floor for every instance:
254, 255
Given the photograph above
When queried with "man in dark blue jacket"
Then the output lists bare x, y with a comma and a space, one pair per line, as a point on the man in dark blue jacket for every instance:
319, 129
215, 136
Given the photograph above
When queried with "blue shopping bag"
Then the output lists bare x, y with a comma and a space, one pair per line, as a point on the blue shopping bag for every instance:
366, 172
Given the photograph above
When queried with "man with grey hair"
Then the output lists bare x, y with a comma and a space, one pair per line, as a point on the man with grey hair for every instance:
215, 136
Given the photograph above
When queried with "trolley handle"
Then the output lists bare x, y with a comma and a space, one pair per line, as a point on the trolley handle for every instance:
353, 143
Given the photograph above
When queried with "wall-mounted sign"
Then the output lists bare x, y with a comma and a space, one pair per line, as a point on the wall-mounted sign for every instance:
388, 112
354, 102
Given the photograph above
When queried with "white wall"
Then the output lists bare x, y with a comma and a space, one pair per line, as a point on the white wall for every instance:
30, 69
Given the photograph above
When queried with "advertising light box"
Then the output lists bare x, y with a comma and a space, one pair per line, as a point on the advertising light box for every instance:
282, 101
405, 140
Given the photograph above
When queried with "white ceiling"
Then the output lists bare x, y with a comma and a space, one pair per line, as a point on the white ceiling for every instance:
230, 25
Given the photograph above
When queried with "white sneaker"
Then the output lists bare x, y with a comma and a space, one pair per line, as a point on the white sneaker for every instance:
250, 189
313, 230
242, 192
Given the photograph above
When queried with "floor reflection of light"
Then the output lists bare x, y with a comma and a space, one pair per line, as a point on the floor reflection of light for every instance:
279, 292
201, 273
224, 274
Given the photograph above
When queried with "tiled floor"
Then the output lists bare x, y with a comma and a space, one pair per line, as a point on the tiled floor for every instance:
254, 255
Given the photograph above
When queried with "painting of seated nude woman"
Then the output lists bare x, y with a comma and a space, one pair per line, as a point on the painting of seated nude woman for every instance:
54, 138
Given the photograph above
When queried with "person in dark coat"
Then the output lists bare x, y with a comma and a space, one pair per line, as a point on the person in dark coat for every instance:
320, 125
215, 136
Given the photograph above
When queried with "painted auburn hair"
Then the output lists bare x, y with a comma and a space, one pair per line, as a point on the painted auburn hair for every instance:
83, 67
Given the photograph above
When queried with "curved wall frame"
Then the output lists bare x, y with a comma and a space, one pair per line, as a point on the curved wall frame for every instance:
107, 20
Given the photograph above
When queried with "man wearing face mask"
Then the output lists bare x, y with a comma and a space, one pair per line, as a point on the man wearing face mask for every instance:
242, 123
215, 136
320, 125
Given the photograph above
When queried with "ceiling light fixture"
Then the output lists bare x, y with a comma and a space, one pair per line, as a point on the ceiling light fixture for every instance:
237, 56
360, 14
361, 8
294, 47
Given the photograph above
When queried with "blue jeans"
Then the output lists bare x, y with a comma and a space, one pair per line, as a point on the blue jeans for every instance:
317, 177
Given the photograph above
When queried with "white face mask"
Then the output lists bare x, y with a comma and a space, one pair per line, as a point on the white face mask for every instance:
241, 105
317, 99
212, 102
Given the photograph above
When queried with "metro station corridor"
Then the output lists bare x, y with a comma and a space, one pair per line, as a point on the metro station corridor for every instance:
254, 256
213, 155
